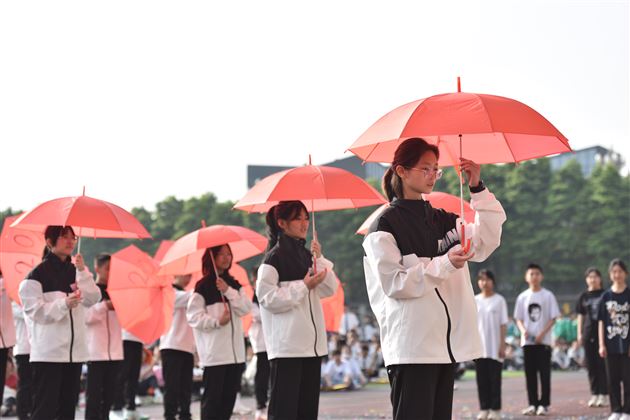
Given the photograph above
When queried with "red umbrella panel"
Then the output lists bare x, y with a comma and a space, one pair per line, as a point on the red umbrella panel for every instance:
20, 251
333, 307
143, 300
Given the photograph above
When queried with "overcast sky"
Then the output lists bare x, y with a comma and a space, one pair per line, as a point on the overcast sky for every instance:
138, 100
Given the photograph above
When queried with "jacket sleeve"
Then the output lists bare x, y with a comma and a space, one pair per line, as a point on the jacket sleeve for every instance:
36, 308
96, 313
328, 287
197, 316
239, 302
181, 298
486, 230
90, 293
275, 298
18, 312
385, 264
256, 313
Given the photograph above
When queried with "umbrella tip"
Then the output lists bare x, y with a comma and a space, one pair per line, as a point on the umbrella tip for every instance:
310, 162
84, 190
459, 84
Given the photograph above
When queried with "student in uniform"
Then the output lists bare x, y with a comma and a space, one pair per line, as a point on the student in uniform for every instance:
56, 295
214, 312
418, 281
257, 340
289, 295
7, 334
128, 377
177, 348
105, 348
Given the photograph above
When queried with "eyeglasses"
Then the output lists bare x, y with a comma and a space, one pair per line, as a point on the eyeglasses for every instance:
429, 172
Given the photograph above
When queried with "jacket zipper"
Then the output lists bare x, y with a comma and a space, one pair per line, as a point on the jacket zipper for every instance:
232, 329
310, 307
448, 328
71, 334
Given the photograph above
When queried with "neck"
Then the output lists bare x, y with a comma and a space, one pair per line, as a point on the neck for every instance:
618, 286
535, 288
408, 194
593, 288
487, 293
62, 257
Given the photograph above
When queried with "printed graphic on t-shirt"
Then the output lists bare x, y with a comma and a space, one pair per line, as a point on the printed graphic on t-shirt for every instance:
535, 312
618, 319
593, 306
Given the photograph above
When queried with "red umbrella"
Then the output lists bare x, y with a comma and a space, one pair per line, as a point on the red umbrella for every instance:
333, 308
319, 187
184, 256
143, 300
20, 251
437, 199
493, 129
165, 245
89, 217
240, 274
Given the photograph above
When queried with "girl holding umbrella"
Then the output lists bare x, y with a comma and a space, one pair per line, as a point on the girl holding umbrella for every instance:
418, 281
213, 313
291, 311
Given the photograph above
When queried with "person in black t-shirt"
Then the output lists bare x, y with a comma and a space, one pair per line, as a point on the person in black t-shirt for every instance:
587, 309
614, 341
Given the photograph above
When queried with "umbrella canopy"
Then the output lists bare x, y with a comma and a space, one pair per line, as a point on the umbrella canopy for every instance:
184, 256
494, 129
318, 187
165, 245
437, 199
333, 307
20, 251
143, 300
89, 217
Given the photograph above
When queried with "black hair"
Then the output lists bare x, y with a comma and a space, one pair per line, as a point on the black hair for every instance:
488, 274
336, 352
407, 155
207, 268
592, 270
102, 259
54, 232
284, 210
534, 266
619, 263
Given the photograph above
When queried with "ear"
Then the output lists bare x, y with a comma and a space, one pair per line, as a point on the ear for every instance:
282, 224
49, 243
400, 170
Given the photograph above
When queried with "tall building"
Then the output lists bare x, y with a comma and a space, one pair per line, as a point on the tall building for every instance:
351, 164
588, 159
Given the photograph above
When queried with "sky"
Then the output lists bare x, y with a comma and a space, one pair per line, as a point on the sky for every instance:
139, 100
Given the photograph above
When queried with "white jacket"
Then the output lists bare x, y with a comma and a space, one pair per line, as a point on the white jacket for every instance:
256, 335
7, 329
58, 333
292, 316
104, 335
179, 336
22, 333
424, 305
217, 344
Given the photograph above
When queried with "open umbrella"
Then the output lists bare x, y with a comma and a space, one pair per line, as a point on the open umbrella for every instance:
20, 251
165, 245
144, 301
437, 199
483, 128
89, 217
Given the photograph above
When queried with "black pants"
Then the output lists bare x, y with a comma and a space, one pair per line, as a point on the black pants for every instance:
422, 391
4, 356
24, 395
261, 380
128, 375
489, 383
618, 370
101, 383
596, 367
295, 384
55, 390
177, 370
220, 386
538, 363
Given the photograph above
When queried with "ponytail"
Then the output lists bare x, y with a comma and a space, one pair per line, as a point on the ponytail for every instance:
273, 230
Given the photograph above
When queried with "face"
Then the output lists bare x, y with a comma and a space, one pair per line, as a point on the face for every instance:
534, 277
223, 259
617, 275
296, 228
65, 244
102, 272
593, 281
184, 280
485, 284
421, 178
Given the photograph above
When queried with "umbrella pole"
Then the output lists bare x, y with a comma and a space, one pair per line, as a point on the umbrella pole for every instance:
314, 238
461, 199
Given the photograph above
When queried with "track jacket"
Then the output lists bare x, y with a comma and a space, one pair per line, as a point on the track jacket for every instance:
58, 333
180, 335
292, 316
104, 334
425, 306
22, 333
218, 344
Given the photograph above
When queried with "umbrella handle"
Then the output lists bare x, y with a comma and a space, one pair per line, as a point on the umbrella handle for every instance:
465, 244
216, 273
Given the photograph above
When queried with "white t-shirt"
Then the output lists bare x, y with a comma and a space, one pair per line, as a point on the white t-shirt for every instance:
491, 315
349, 322
337, 372
535, 310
